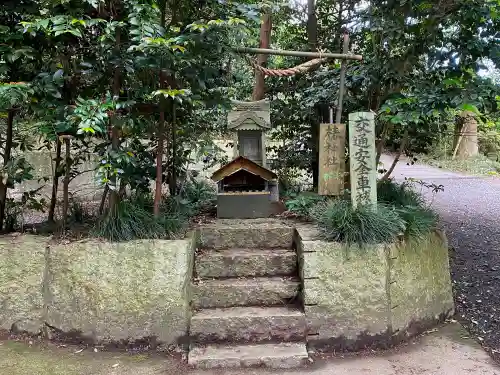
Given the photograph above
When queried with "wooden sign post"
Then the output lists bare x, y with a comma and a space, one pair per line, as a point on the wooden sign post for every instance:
331, 159
362, 155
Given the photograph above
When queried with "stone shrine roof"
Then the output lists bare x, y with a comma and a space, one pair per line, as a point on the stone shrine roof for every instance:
242, 163
245, 115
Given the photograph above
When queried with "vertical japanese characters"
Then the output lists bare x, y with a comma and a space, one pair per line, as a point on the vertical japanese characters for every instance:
362, 159
331, 159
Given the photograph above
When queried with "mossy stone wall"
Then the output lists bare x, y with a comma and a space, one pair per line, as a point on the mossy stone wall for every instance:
372, 295
103, 292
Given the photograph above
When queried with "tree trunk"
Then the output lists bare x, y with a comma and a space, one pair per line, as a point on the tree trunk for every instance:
6, 160
55, 182
67, 162
173, 180
160, 152
312, 25
466, 143
259, 90
312, 39
402, 147
114, 197
103, 200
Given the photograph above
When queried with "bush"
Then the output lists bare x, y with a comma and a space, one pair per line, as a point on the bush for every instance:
339, 221
196, 196
418, 220
302, 204
399, 195
129, 221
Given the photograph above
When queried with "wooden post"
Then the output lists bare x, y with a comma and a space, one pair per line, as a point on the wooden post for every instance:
362, 159
331, 159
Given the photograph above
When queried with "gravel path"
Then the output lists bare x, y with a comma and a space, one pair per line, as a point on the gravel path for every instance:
470, 210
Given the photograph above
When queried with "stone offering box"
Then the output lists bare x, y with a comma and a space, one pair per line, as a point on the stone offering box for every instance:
245, 190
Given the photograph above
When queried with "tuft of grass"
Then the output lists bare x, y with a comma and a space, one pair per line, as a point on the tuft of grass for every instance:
134, 220
419, 221
339, 221
399, 195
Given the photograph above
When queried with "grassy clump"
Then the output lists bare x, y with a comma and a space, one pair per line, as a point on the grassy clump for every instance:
129, 221
398, 195
134, 219
401, 210
302, 204
418, 220
339, 221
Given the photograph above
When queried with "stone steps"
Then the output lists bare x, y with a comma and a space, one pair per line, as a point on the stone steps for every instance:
248, 324
246, 234
246, 297
267, 291
213, 263
278, 356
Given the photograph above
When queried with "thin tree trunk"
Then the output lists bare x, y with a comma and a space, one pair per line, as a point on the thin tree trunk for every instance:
103, 200
6, 160
67, 162
312, 25
259, 90
398, 156
114, 197
55, 182
160, 151
381, 143
173, 179
312, 39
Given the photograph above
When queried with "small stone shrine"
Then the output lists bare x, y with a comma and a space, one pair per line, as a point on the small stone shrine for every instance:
246, 188
250, 121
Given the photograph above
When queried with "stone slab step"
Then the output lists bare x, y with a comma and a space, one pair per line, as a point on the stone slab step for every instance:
243, 234
248, 324
277, 356
245, 262
267, 291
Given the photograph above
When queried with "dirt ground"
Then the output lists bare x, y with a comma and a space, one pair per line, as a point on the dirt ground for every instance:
447, 351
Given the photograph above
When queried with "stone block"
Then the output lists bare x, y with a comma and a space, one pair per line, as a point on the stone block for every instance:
245, 292
245, 262
276, 356
248, 324
246, 234
349, 292
111, 292
22, 265
420, 285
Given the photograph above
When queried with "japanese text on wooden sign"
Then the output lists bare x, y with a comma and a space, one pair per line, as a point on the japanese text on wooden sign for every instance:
362, 153
331, 159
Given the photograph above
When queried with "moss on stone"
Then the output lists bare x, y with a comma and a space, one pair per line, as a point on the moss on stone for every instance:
352, 293
22, 264
420, 284
121, 291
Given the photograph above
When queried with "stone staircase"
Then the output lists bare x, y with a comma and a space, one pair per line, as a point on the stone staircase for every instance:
247, 310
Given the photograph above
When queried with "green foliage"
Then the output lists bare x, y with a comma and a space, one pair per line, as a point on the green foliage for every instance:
339, 221
418, 220
398, 194
133, 219
198, 195
303, 204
